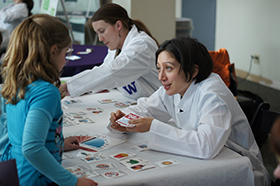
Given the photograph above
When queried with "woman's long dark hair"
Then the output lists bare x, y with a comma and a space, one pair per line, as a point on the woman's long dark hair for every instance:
30, 5
111, 13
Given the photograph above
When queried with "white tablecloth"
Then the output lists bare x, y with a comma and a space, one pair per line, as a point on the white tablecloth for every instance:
228, 168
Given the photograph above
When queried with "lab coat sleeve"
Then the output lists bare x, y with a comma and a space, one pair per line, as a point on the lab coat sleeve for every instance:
151, 107
18, 11
133, 62
205, 142
148, 107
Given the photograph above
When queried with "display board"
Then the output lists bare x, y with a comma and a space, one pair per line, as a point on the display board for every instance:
49, 7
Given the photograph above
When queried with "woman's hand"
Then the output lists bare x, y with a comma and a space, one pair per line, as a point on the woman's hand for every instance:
63, 90
71, 143
86, 182
114, 117
141, 124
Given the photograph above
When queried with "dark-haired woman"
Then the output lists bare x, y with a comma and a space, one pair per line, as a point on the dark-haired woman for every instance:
206, 114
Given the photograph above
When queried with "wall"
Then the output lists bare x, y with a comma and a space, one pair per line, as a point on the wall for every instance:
203, 15
251, 27
79, 5
157, 15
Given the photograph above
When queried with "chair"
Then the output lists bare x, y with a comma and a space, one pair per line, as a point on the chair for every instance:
8, 173
262, 122
247, 100
223, 67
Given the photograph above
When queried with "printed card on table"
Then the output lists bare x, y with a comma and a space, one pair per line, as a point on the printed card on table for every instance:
68, 122
92, 159
133, 161
167, 163
139, 148
81, 171
122, 155
84, 153
102, 166
123, 121
105, 101
123, 104
95, 110
83, 121
112, 174
72, 101
71, 114
140, 167
67, 156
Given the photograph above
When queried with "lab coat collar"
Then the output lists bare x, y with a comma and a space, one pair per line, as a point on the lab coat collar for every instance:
131, 34
186, 99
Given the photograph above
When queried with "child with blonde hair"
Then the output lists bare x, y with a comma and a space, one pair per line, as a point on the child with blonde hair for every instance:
30, 70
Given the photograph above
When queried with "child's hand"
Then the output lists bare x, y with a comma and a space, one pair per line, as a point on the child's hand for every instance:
86, 182
71, 143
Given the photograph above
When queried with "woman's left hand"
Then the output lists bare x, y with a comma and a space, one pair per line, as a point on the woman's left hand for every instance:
141, 124
71, 143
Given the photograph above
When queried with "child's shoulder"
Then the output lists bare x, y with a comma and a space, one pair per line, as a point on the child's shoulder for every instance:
42, 87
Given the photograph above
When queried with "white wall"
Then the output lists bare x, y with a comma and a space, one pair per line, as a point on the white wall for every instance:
157, 15
80, 5
251, 27
178, 8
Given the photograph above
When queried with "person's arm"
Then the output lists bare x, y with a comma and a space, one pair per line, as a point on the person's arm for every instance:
18, 11
36, 129
148, 108
201, 135
134, 61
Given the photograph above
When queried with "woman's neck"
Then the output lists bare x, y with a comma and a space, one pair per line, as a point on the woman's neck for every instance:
123, 34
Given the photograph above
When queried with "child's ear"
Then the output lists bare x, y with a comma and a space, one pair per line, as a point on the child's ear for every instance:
53, 49
53, 52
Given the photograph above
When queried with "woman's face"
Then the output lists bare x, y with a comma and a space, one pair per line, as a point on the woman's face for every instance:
172, 80
17, 1
108, 34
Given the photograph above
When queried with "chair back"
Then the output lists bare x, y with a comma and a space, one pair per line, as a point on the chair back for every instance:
8, 173
262, 122
223, 67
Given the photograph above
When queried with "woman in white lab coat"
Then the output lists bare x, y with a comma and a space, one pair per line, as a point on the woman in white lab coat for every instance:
12, 15
207, 117
129, 64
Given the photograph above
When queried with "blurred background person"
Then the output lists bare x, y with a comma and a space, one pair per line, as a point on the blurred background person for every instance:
11, 16
275, 146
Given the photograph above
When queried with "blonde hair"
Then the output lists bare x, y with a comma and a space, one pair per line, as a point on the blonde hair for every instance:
28, 56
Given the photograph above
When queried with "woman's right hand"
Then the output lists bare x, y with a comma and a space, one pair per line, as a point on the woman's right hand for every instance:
114, 117
83, 181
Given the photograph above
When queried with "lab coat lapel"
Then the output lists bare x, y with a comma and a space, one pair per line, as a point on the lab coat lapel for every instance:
183, 108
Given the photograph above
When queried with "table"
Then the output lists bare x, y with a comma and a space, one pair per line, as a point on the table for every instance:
87, 61
228, 168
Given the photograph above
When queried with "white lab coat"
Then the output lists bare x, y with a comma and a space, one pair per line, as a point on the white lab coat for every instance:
10, 17
207, 118
133, 71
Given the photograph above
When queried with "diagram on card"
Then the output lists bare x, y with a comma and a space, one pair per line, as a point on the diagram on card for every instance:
95, 142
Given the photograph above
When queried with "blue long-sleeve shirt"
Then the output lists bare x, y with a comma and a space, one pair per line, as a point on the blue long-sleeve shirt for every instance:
35, 136
3, 125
